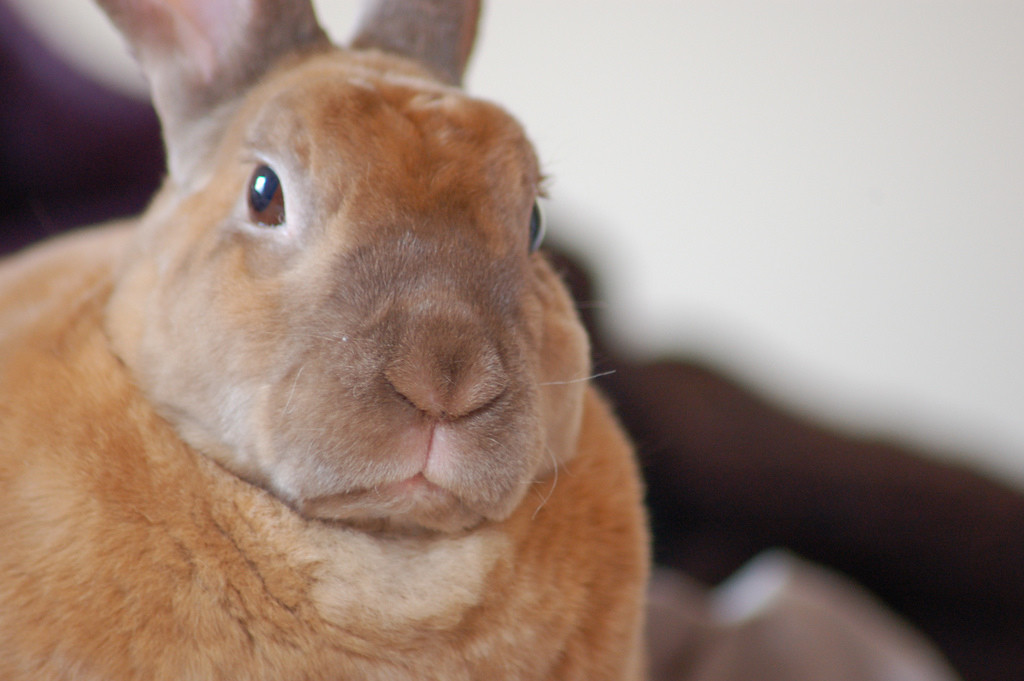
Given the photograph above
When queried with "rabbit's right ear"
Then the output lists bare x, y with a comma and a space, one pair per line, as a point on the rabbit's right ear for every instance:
200, 54
439, 34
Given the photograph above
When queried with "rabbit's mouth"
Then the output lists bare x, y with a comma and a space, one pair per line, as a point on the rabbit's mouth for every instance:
415, 503
436, 478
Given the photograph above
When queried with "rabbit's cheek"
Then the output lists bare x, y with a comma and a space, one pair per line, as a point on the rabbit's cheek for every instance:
565, 371
560, 362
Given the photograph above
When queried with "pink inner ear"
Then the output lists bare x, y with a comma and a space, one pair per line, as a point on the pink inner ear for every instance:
206, 29
212, 16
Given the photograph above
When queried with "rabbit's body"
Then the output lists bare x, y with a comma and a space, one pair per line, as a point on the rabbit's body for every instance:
353, 443
128, 555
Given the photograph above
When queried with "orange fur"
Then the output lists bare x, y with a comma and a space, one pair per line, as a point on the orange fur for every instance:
128, 555
358, 446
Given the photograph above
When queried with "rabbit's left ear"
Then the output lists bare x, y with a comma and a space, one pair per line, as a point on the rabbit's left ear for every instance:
199, 54
439, 34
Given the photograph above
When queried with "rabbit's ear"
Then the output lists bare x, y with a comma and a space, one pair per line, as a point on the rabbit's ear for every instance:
199, 54
438, 34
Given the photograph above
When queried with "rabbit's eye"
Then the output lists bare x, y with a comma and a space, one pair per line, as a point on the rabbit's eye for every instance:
536, 227
266, 198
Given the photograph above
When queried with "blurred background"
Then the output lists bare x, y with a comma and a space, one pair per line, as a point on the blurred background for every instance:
825, 200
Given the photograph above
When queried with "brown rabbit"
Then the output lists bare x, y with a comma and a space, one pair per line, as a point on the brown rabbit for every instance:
322, 411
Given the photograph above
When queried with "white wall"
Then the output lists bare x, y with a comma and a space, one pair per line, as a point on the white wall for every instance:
825, 198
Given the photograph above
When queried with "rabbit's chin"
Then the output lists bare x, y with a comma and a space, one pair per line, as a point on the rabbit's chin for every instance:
412, 505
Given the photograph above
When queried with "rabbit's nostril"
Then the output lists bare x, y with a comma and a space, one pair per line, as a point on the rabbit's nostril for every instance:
446, 382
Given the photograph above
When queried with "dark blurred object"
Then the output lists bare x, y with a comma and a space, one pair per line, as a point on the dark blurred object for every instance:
71, 151
729, 474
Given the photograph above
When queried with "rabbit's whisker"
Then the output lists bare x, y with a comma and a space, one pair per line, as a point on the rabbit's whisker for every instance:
291, 394
554, 483
580, 380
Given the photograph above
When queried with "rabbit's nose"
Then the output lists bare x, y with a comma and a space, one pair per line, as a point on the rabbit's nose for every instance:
446, 369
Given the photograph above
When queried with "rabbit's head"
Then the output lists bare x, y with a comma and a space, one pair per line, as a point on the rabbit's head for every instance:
337, 294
